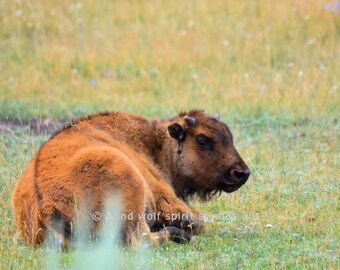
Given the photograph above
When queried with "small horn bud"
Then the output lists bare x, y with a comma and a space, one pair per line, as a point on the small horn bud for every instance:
190, 121
217, 117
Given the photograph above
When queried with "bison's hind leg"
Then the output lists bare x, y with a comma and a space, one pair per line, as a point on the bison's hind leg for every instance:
109, 170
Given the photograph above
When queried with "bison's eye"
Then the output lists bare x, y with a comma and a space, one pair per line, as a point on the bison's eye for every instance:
204, 142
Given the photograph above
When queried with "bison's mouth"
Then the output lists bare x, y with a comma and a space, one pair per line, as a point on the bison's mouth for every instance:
230, 188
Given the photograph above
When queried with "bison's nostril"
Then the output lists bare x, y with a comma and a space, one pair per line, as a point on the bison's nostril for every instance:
241, 176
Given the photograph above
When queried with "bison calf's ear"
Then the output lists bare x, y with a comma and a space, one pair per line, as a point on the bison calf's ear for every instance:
177, 132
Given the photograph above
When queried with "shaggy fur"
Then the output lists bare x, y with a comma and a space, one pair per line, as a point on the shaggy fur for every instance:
154, 165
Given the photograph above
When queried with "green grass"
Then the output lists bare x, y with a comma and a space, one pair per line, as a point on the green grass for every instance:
270, 68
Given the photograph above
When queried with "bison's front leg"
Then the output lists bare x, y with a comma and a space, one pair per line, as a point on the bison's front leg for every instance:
175, 212
186, 218
170, 210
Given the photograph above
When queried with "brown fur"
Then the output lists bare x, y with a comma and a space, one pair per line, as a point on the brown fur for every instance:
152, 170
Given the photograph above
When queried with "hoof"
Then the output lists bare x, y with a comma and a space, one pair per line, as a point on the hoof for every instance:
177, 235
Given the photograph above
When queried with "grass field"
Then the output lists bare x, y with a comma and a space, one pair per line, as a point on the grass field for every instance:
270, 68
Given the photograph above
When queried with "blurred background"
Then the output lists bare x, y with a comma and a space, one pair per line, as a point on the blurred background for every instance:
68, 58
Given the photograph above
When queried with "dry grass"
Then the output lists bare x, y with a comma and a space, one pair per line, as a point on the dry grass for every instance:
66, 58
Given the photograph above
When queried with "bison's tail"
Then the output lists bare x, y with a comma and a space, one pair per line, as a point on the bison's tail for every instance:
58, 222
59, 232
64, 223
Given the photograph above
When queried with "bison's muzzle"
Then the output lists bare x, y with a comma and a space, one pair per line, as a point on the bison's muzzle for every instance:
234, 178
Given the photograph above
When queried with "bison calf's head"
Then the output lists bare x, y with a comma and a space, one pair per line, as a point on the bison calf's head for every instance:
204, 156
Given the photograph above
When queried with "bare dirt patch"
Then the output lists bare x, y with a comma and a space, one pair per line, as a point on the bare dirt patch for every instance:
33, 126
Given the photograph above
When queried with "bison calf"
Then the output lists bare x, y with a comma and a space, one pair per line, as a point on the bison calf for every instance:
155, 165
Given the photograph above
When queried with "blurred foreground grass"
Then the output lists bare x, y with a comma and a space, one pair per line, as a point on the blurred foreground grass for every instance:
270, 68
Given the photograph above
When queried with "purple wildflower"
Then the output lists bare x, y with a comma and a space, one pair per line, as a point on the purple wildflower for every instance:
333, 8
93, 82
108, 73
